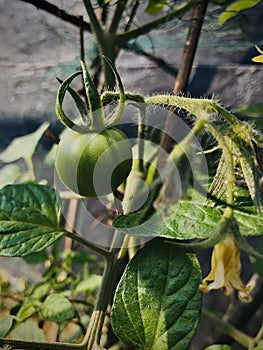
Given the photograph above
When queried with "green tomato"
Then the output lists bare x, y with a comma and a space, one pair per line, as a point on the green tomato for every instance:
94, 164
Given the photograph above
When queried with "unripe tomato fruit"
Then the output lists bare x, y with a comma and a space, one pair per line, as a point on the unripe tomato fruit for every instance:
94, 164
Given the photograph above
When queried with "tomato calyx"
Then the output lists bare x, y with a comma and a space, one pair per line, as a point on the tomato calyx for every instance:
95, 104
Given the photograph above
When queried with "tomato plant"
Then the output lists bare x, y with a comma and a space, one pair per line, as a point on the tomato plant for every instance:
160, 290
155, 302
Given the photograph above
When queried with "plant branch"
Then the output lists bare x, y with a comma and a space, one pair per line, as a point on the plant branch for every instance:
185, 68
95, 248
93, 334
56, 11
94, 22
192, 105
118, 14
123, 38
238, 313
132, 15
157, 60
234, 333
35, 345
190, 47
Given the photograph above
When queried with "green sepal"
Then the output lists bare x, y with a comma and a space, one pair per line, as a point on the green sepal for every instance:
80, 104
120, 110
95, 103
60, 97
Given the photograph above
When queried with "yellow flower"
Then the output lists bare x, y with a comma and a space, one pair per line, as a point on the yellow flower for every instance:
258, 58
226, 268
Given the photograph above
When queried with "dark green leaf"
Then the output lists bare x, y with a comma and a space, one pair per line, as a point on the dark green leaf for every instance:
56, 308
250, 222
196, 220
29, 219
157, 303
190, 220
37, 258
185, 220
254, 110
193, 218
132, 224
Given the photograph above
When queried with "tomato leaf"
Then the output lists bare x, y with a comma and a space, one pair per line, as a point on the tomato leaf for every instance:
9, 174
189, 220
57, 308
157, 303
155, 6
29, 219
185, 220
40, 290
235, 8
6, 324
28, 330
250, 222
88, 284
251, 110
23, 146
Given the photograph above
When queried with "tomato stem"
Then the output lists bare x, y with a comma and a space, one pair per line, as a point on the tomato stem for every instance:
93, 334
95, 248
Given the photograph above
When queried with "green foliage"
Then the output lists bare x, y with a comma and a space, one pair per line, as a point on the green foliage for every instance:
236, 8
157, 304
29, 330
56, 308
6, 324
29, 219
89, 284
10, 173
24, 146
155, 6
252, 110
